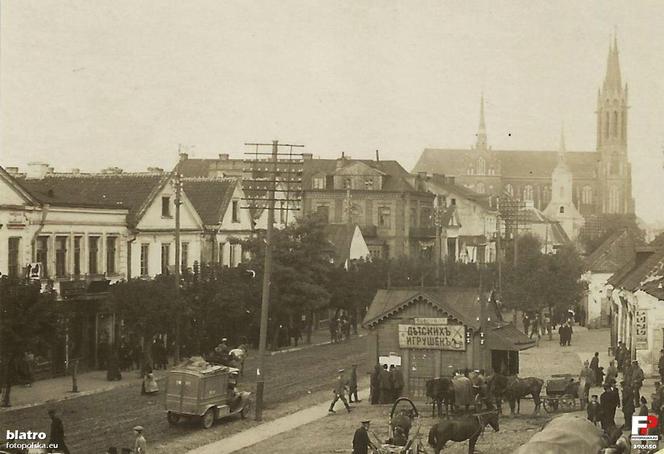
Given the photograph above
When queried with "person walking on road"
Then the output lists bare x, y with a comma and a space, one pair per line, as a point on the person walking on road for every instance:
352, 385
57, 433
375, 385
627, 404
585, 382
361, 442
339, 392
608, 402
594, 366
637, 381
385, 385
620, 355
140, 444
397, 382
611, 372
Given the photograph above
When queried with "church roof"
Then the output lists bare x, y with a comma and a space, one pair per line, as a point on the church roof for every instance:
513, 163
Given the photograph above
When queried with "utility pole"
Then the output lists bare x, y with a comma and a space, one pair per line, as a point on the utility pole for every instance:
499, 259
264, 176
178, 202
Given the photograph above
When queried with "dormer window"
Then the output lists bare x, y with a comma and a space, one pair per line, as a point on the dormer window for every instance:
319, 183
562, 210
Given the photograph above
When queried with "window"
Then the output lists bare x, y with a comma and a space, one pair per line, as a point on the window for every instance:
348, 183
166, 206
606, 126
425, 217
614, 199
546, 194
453, 201
614, 126
220, 257
562, 210
77, 255
471, 170
492, 171
60, 256
12, 257
324, 212
111, 242
319, 183
231, 258
93, 254
236, 211
184, 256
413, 217
369, 183
481, 166
384, 217
165, 256
145, 257
509, 189
480, 188
528, 192
587, 195
41, 255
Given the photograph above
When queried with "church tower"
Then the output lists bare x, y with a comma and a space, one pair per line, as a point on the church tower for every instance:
614, 170
561, 208
481, 143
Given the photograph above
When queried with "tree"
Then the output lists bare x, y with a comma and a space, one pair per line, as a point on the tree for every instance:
27, 321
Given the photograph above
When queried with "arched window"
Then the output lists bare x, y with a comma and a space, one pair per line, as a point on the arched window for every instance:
587, 195
492, 171
480, 188
614, 126
546, 194
481, 166
562, 210
606, 125
614, 199
623, 126
509, 189
528, 192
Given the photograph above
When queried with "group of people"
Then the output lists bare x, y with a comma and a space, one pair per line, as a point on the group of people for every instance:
565, 332
340, 328
386, 384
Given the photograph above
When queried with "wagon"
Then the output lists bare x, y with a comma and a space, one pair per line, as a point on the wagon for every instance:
562, 393
412, 444
199, 390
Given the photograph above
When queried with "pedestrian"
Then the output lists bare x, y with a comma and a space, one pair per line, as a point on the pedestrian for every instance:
643, 409
627, 370
397, 382
627, 404
547, 325
660, 365
361, 442
593, 410
656, 397
140, 444
352, 385
585, 382
535, 327
385, 385
561, 334
594, 366
333, 330
375, 385
611, 372
339, 392
607, 404
637, 381
150, 385
57, 440
570, 331
620, 355
526, 323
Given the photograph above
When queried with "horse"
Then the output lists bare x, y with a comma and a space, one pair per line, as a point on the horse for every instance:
439, 390
520, 387
469, 427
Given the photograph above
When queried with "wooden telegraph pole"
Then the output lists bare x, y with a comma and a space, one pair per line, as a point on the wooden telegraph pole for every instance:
284, 168
178, 203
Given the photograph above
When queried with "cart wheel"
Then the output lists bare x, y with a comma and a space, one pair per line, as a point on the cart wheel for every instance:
549, 405
172, 418
208, 418
567, 403
245, 409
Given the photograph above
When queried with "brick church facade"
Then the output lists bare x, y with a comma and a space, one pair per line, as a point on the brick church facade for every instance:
601, 181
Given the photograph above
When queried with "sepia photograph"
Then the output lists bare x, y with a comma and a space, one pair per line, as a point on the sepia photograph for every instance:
331, 227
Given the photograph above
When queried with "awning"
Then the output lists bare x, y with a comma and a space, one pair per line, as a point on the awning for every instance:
507, 337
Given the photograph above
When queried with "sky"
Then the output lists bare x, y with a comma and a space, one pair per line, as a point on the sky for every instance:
94, 83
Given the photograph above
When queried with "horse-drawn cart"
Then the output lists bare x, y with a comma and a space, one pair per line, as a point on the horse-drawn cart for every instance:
562, 393
404, 427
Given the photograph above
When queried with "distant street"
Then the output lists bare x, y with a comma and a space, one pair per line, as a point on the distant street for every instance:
93, 423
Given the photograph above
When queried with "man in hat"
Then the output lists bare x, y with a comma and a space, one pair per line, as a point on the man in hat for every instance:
637, 382
620, 355
339, 392
57, 433
627, 404
352, 385
594, 366
608, 402
585, 382
140, 444
361, 442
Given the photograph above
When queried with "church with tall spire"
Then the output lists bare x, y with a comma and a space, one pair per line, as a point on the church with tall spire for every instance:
580, 183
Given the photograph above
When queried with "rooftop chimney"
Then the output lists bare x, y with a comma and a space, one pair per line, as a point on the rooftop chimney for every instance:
37, 170
184, 156
223, 156
377, 156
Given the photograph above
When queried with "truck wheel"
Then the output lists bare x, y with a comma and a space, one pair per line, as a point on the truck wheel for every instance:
172, 418
245, 409
208, 418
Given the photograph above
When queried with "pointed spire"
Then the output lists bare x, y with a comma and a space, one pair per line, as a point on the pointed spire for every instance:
562, 150
612, 81
481, 143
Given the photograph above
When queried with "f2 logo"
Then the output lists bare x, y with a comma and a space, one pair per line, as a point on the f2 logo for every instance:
641, 424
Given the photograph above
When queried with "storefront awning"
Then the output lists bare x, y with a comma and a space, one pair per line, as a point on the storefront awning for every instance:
507, 337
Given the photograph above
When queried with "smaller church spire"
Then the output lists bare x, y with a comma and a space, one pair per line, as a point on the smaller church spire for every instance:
612, 81
481, 143
562, 150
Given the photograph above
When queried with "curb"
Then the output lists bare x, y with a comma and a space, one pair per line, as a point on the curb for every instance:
304, 347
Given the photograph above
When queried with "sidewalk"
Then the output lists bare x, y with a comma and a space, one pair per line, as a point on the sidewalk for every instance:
268, 430
59, 388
